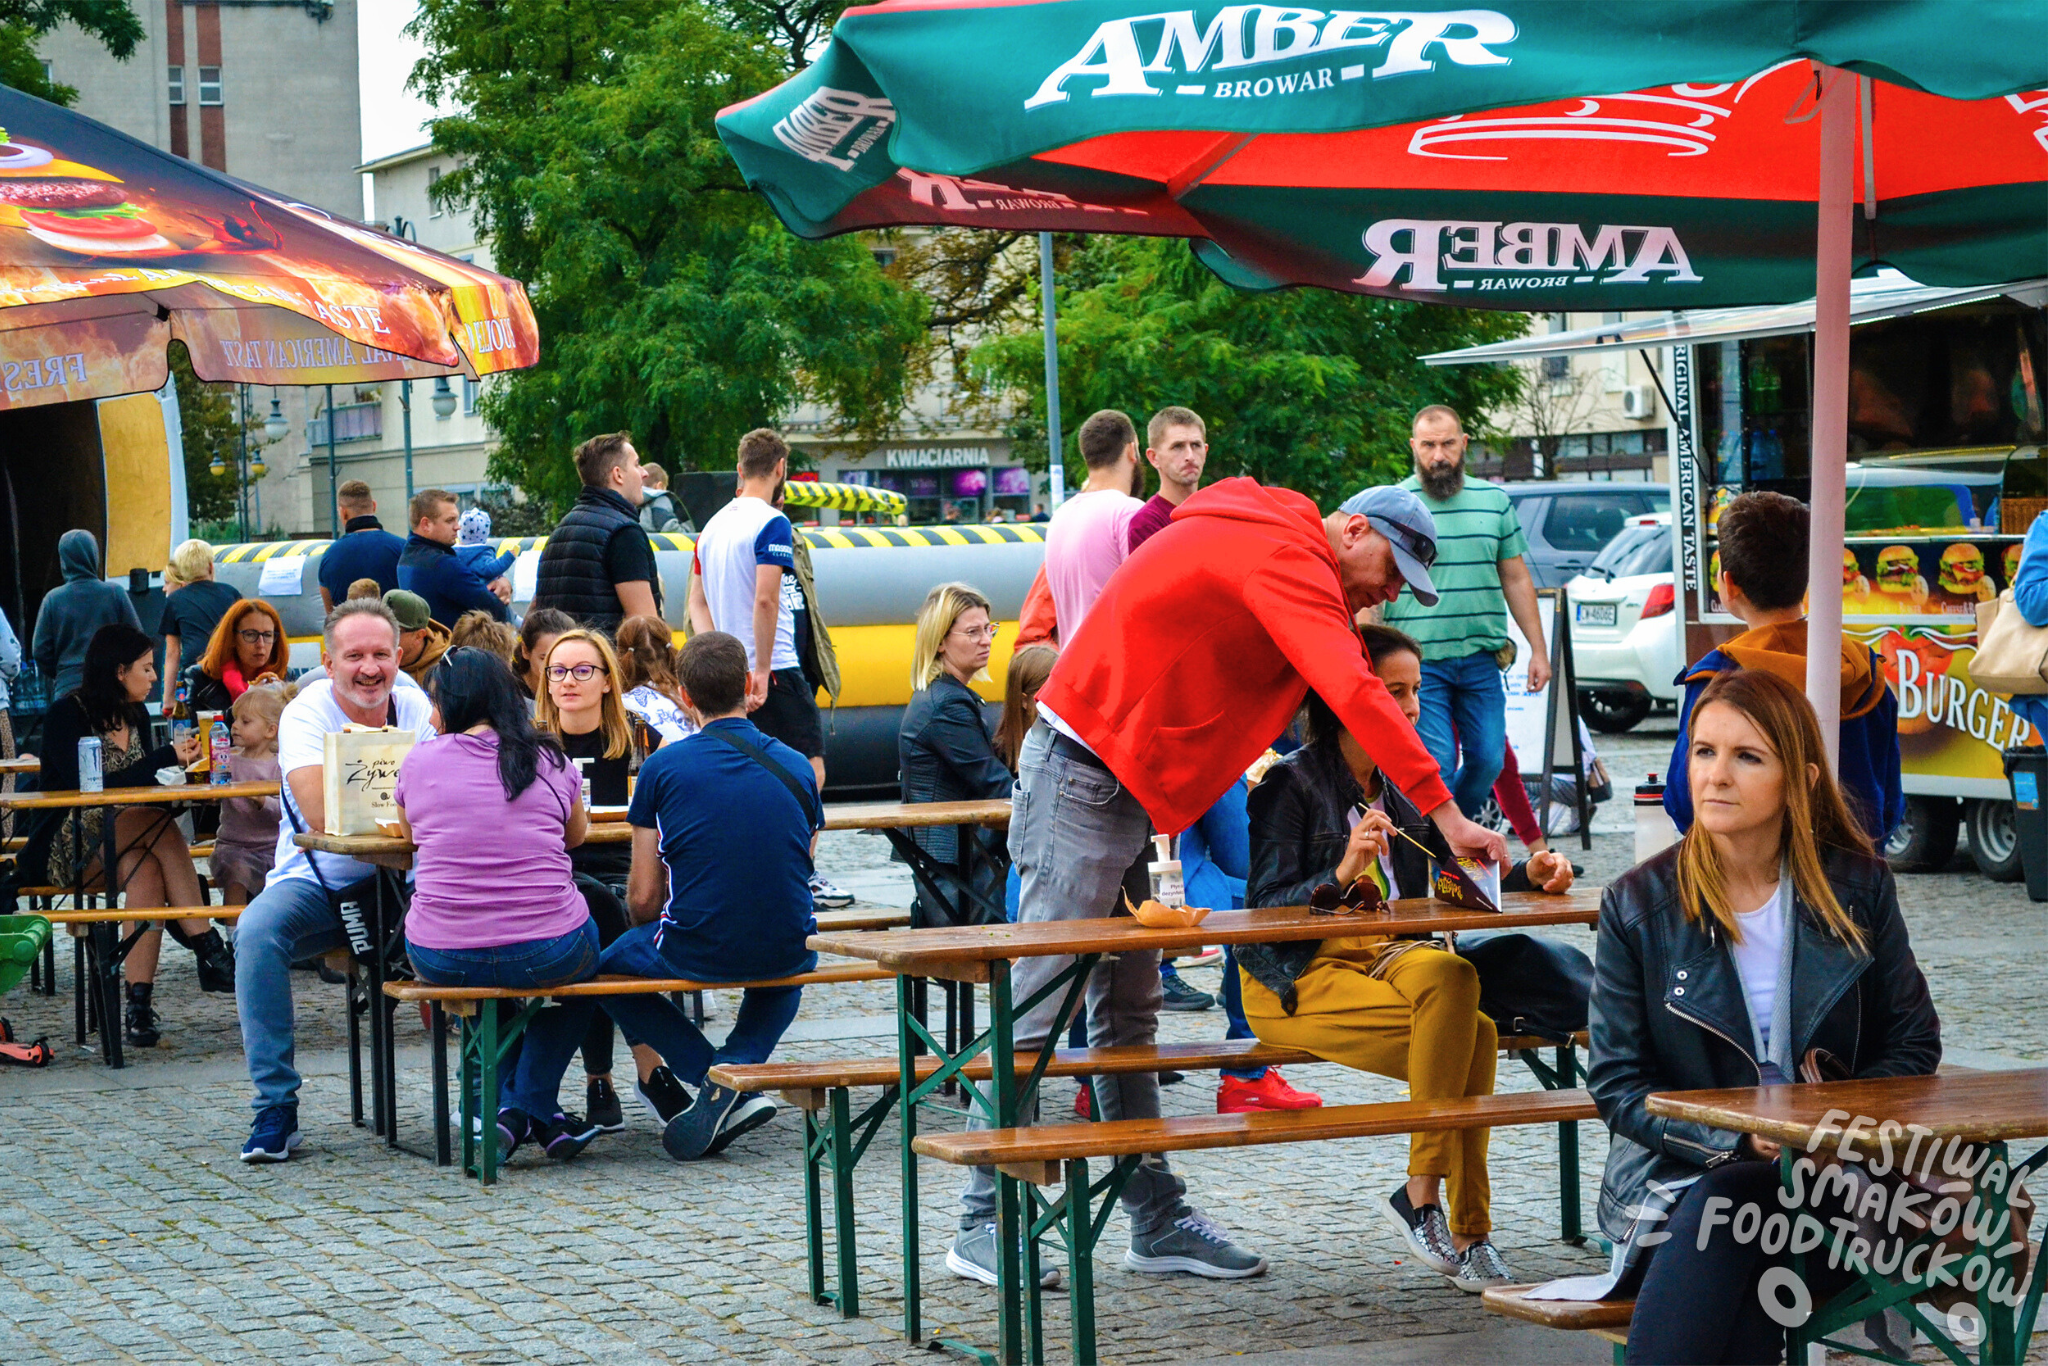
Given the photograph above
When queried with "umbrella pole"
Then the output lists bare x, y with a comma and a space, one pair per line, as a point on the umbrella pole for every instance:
1055, 471
1830, 405
333, 487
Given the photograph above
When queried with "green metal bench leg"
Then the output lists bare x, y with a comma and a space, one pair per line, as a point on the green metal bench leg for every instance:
487, 1057
1568, 1154
913, 1292
815, 1138
843, 1158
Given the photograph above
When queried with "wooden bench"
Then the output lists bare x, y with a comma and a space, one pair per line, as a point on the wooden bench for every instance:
486, 1038
835, 1138
830, 922
1605, 1319
1058, 1155
96, 962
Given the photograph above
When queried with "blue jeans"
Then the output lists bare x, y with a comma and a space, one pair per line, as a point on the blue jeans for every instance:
1233, 1015
765, 1012
287, 921
1464, 707
553, 1034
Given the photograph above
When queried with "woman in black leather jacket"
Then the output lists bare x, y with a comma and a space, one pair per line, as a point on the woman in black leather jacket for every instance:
1401, 1008
1769, 932
943, 746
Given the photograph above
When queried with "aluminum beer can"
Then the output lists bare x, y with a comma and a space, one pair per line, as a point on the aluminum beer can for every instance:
90, 777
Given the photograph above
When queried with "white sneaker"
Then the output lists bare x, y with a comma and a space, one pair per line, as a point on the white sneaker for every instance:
824, 893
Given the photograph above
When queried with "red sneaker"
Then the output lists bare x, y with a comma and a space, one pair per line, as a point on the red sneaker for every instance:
1084, 1102
1270, 1092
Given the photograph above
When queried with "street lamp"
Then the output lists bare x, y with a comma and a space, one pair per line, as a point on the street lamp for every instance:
444, 397
274, 426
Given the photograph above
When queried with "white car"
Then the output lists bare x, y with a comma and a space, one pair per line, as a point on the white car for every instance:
1627, 640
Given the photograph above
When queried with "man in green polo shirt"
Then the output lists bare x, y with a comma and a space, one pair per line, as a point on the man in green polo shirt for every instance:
1480, 577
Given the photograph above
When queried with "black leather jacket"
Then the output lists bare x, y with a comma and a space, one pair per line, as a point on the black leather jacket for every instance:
1668, 1014
945, 754
1300, 823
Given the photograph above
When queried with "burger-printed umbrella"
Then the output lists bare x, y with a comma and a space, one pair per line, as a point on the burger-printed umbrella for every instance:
1532, 154
110, 248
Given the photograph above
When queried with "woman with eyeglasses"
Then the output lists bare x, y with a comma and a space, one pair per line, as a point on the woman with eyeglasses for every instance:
1325, 820
943, 744
582, 704
247, 647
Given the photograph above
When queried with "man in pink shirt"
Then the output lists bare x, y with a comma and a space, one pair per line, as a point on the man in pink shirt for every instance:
1089, 535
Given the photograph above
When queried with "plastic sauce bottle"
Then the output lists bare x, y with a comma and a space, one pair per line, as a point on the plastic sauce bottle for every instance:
1167, 888
1655, 830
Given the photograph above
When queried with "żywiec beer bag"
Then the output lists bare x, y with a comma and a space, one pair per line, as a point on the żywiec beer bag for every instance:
358, 771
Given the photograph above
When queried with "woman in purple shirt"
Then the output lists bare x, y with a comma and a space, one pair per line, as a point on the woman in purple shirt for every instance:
494, 808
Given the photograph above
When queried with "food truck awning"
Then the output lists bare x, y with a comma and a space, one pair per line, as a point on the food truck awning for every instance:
1885, 295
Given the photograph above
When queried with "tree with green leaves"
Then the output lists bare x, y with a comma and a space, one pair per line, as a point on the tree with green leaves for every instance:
671, 302
22, 22
208, 425
1304, 388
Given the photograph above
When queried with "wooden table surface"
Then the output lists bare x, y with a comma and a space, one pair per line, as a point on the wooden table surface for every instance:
152, 795
994, 813
21, 763
922, 953
390, 851
1976, 1106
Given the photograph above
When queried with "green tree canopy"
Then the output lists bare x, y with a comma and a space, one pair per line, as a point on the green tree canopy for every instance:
670, 301
22, 22
208, 426
1303, 388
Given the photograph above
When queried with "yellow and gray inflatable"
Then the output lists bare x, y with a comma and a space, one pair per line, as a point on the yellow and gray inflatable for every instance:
871, 581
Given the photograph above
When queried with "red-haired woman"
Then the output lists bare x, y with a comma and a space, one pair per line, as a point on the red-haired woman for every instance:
247, 647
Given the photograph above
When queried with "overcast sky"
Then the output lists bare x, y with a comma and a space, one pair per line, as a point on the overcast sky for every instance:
393, 117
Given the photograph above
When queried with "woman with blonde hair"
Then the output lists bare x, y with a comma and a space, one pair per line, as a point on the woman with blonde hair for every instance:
582, 704
247, 647
478, 630
193, 605
1766, 947
647, 666
943, 744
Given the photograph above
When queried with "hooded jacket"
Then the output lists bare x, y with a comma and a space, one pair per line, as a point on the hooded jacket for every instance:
71, 615
1869, 768
439, 638
1203, 645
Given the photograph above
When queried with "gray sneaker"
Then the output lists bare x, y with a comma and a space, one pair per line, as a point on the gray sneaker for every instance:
973, 1257
1194, 1243
1425, 1231
1479, 1267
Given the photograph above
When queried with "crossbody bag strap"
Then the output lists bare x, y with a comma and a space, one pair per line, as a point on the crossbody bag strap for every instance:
804, 799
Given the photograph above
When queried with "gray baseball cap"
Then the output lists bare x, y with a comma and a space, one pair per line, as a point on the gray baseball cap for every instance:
1400, 516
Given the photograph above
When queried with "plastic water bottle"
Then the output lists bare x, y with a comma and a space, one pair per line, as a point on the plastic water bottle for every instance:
221, 744
90, 776
1655, 830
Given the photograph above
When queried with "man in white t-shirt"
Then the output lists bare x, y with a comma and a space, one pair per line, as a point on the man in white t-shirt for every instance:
293, 917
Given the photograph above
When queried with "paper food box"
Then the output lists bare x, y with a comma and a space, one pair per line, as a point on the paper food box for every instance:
1470, 883
359, 770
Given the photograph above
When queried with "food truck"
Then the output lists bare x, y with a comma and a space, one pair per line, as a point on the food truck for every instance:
1947, 469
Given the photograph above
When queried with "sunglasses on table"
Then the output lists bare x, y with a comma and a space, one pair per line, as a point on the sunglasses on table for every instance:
1362, 897
582, 673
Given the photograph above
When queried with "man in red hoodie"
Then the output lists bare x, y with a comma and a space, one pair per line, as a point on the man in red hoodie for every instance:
1196, 656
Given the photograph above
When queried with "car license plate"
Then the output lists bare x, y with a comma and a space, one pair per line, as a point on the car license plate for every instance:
1596, 613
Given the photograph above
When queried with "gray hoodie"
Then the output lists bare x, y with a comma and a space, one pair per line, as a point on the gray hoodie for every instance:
70, 616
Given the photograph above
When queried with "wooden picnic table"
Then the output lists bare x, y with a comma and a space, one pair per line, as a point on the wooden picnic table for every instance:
104, 947
20, 763
985, 953
1810, 1121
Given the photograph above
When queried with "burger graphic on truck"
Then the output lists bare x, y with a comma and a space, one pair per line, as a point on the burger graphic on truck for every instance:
1962, 583
1898, 579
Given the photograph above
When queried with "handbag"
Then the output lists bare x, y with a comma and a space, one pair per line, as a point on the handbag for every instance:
2012, 654
1531, 985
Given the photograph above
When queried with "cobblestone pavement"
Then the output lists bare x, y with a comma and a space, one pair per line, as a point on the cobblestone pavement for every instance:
131, 1233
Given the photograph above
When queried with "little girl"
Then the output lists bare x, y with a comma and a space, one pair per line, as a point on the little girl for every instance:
247, 843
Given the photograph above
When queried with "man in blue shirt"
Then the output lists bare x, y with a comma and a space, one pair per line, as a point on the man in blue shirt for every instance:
364, 550
723, 826
431, 568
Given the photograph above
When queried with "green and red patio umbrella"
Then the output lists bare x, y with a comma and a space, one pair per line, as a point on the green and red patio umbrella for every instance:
1539, 155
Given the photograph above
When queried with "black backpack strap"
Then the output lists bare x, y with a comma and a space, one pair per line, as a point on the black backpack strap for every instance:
805, 799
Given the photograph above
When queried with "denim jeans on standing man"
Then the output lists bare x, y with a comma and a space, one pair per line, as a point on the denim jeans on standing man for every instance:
289, 920
1464, 707
1074, 832
534, 1082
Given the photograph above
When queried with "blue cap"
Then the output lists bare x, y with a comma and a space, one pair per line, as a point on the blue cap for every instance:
1400, 516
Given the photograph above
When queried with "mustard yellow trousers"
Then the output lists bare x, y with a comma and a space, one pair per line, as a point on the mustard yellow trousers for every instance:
1419, 1023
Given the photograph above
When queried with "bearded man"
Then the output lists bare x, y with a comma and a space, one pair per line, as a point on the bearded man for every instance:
1480, 577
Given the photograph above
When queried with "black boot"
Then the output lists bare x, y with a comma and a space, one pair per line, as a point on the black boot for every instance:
142, 1030
216, 962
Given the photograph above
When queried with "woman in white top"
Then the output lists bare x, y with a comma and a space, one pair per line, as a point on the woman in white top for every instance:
1766, 947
